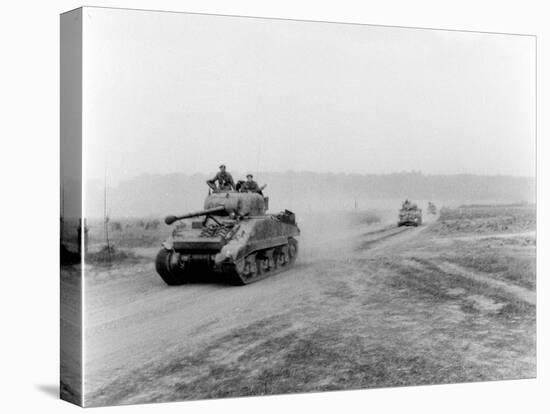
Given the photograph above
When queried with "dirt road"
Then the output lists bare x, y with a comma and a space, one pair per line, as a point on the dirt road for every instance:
340, 319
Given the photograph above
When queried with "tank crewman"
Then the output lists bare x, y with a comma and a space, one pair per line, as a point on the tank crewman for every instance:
224, 179
251, 186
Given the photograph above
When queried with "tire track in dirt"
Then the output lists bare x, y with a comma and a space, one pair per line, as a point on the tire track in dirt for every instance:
391, 238
517, 292
381, 245
526, 234
380, 235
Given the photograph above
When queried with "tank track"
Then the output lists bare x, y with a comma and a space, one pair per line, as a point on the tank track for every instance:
251, 268
261, 264
168, 268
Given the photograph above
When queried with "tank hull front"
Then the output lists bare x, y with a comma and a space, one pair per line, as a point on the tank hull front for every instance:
410, 218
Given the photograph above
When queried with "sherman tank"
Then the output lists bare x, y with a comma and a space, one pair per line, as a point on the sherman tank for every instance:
232, 237
409, 215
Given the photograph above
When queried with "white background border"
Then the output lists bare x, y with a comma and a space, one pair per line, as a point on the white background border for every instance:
29, 130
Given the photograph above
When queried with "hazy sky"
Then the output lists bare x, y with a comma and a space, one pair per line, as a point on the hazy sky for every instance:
172, 92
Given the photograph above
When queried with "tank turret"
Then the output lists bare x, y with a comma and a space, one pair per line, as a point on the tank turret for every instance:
227, 204
234, 238
241, 204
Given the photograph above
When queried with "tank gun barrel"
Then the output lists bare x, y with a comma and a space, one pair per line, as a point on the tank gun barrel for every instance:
171, 219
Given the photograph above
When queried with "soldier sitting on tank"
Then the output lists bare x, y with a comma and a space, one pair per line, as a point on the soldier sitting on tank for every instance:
224, 179
251, 186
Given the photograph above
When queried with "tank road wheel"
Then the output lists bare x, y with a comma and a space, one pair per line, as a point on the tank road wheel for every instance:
261, 264
250, 269
243, 272
268, 261
168, 268
292, 249
282, 257
273, 259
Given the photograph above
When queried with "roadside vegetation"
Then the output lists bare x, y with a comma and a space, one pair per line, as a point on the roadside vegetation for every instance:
485, 219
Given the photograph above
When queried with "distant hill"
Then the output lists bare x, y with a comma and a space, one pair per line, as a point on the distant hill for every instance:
157, 195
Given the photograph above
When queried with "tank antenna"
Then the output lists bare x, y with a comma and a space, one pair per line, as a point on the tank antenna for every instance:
62, 219
105, 217
258, 160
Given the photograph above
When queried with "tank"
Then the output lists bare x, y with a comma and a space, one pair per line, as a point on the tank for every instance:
233, 237
409, 215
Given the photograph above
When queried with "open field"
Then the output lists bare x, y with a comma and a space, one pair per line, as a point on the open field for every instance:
367, 305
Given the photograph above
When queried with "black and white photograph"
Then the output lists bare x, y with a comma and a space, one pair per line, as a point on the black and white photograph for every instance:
255, 206
291, 206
